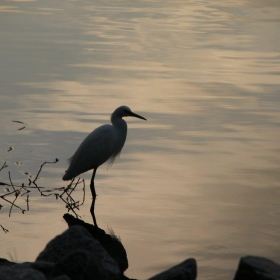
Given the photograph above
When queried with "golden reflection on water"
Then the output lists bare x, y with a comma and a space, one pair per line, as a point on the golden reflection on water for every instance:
200, 178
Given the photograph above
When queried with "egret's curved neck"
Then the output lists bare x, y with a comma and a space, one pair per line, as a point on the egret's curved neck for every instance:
120, 126
118, 123
121, 129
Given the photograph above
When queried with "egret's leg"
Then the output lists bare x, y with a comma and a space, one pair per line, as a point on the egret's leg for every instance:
92, 188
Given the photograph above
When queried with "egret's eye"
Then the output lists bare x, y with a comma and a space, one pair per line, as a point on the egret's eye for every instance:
126, 111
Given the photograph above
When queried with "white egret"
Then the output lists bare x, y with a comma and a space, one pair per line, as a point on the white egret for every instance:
102, 145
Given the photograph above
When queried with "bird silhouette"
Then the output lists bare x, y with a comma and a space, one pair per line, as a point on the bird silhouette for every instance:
102, 145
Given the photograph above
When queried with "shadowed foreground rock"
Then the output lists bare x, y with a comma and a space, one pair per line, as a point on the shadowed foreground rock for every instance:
79, 256
109, 242
72, 255
84, 252
186, 270
257, 268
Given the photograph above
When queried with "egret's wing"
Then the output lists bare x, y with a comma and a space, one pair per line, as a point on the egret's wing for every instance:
96, 149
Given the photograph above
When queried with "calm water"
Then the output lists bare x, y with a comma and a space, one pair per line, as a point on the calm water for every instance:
200, 178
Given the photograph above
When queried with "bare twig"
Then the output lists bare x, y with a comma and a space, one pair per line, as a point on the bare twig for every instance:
71, 204
46, 162
3, 166
20, 123
27, 202
12, 204
84, 192
12, 185
17, 191
4, 229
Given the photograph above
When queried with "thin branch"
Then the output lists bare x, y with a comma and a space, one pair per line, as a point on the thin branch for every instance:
3, 166
27, 202
20, 123
12, 205
46, 162
64, 193
69, 206
12, 185
4, 229
84, 192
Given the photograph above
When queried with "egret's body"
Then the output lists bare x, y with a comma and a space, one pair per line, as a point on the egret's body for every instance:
103, 144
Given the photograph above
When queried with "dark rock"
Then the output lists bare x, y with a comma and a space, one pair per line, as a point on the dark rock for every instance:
123, 277
45, 267
257, 268
109, 242
76, 241
61, 277
186, 270
96, 232
29, 270
81, 265
6, 262
19, 272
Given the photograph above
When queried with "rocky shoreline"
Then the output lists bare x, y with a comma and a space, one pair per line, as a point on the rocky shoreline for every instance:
84, 252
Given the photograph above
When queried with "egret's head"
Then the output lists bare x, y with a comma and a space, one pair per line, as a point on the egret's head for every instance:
125, 111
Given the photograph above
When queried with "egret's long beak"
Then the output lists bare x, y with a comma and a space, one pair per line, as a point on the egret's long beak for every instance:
136, 116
